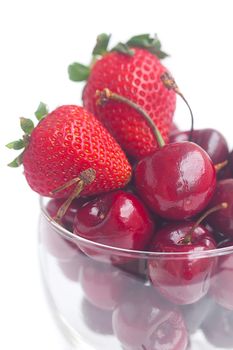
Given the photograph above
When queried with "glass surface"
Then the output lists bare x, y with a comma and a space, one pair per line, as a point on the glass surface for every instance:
104, 299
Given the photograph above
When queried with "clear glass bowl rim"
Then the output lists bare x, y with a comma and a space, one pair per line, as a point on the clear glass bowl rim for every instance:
137, 254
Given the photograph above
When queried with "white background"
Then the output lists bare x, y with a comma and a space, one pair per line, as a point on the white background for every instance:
38, 41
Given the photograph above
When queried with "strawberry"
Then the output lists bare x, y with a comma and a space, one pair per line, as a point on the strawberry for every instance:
68, 146
132, 70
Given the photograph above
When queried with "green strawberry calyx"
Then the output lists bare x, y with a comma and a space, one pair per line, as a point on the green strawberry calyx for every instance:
79, 72
27, 126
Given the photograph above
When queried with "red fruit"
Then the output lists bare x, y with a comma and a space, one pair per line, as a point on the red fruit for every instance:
196, 313
182, 278
55, 244
137, 77
143, 321
177, 181
222, 286
97, 320
66, 142
71, 268
68, 219
217, 328
231, 162
211, 140
222, 221
104, 285
117, 219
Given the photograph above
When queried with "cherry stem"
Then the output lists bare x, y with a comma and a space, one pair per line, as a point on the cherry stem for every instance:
188, 237
85, 178
105, 95
170, 84
63, 208
221, 165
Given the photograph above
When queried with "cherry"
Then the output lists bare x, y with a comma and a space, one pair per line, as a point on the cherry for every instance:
104, 285
136, 267
222, 286
178, 180
55, 244
97, 320
144, 321
211, 140
222, 221
195, 314
117, 219
71, 268
218, 327
225, 173
230, 158
182, 277
68, 218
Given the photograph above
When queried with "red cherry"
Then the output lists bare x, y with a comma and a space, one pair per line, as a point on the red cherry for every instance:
230, 158
68, 218
218, 328
136, 267
104, 285
182, 279
97, 320
71, 268
211, 140
195, 314
54, 243
117, 219
145, 321
222, 285
222, 220
177, 181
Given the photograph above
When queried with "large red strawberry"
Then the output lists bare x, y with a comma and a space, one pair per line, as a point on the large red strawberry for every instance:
132, 70
69, 146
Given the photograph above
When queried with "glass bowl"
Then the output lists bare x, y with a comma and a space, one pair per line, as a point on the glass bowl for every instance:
104, 299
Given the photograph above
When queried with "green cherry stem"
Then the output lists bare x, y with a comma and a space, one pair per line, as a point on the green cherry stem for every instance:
170, 84
105, 95
188, 238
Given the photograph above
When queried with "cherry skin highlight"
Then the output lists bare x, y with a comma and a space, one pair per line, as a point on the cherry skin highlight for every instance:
177, 181
182, 279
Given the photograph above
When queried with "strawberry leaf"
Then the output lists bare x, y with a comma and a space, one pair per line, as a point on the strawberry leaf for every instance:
123, 48
26, 125
151, 44
42, 111
139, 40
17, 161
78, 72
16, 145
101, 46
